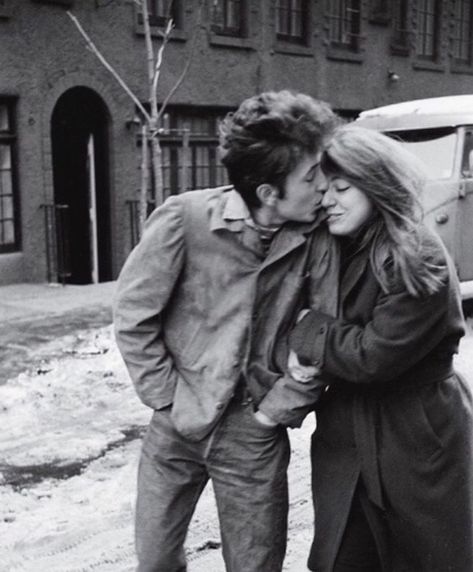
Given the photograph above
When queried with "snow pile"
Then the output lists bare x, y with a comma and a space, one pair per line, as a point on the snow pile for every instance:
71, 408
69, 414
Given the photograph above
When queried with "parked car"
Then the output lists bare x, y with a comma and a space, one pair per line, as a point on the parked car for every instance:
439, 131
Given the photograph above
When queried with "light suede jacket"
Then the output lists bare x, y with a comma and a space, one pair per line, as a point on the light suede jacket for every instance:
198, 305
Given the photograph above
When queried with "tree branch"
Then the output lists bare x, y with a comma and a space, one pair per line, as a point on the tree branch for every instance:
159, 61
95, 50
186, 67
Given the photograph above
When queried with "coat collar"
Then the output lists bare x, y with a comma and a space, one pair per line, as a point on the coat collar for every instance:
354, 272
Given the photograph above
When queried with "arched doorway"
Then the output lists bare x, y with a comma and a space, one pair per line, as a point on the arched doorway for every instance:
80, 158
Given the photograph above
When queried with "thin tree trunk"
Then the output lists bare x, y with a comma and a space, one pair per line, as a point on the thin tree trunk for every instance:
143, 208
157, 170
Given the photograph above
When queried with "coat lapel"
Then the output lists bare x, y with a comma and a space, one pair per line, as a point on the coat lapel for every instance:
353, 274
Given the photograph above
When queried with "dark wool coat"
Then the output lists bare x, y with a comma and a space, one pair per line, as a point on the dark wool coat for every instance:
396, 416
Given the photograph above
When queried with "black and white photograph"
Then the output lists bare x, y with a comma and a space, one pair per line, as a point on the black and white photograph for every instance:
236, 285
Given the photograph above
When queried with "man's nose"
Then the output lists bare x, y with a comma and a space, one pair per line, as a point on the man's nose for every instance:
321, 182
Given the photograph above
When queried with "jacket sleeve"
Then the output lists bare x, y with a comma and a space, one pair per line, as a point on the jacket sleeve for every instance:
403, 330
144, 287
289, 401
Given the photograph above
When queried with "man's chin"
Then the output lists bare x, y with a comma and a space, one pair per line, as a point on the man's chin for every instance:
310, 217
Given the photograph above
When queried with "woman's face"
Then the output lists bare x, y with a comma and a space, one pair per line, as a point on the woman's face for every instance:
347, 207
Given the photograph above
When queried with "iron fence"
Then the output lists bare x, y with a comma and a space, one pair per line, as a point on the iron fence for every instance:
58, 259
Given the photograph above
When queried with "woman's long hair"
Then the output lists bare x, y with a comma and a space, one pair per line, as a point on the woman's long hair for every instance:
391, 177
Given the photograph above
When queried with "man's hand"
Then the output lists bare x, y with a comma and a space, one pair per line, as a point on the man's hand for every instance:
301, 373
264, 419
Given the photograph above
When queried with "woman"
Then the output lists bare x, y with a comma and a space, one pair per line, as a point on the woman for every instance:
392, 452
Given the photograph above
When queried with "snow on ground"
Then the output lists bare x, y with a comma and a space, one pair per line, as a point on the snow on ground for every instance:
69, 448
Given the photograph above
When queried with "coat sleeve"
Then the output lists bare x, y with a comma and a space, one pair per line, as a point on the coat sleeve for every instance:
289, 401
144, 287
403, 329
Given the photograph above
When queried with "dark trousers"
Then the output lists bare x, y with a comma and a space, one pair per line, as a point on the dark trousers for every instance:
247, 463
359, 550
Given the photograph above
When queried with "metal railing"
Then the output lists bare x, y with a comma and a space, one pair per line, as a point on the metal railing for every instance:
56, 222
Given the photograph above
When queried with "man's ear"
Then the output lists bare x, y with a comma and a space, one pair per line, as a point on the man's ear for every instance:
267, 194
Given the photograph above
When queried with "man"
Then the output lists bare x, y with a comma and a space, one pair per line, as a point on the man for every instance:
216, 279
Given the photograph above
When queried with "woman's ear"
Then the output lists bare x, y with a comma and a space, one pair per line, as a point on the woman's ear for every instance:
267, 194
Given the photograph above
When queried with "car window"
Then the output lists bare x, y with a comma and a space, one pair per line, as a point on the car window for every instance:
434, 147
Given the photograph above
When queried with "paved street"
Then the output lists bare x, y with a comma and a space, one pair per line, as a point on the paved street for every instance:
85, 521
34, 315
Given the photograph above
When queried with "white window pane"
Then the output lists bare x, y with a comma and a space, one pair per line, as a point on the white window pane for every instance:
3, 118
5, 157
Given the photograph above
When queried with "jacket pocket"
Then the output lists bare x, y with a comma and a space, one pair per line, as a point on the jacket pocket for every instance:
438, 402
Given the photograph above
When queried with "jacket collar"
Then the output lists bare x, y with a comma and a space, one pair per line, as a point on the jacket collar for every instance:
231, 213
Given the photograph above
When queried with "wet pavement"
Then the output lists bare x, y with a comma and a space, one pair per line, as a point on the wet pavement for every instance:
33, 316
19, 476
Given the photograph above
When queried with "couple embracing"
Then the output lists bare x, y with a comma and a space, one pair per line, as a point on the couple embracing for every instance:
309, 284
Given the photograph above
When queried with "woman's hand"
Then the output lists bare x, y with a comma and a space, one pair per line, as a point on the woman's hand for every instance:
301, 373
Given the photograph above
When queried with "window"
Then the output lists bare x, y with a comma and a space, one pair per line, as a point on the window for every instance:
462, 32
9, 224
189, 151
227, 18
345, 23
291, 20
400, 40
435, 148
428, 22
161, 10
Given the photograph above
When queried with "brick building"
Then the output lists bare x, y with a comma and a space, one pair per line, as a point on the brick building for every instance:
69, 157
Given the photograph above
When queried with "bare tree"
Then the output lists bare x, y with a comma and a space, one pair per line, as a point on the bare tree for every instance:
151, 113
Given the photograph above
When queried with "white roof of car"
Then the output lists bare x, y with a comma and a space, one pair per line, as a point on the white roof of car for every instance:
448, 104
433, 112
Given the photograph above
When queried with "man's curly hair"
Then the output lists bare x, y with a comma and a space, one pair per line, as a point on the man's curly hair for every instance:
267, 136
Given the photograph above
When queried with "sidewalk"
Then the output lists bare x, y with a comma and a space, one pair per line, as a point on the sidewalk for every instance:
33, 315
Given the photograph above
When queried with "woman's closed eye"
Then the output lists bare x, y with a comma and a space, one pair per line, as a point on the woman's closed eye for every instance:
341, 189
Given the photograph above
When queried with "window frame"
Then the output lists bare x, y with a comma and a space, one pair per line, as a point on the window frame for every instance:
343, 8
423, 33
292, 11
460, 40
160, 20
9, 137
240, 31
401, 30
176, 121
